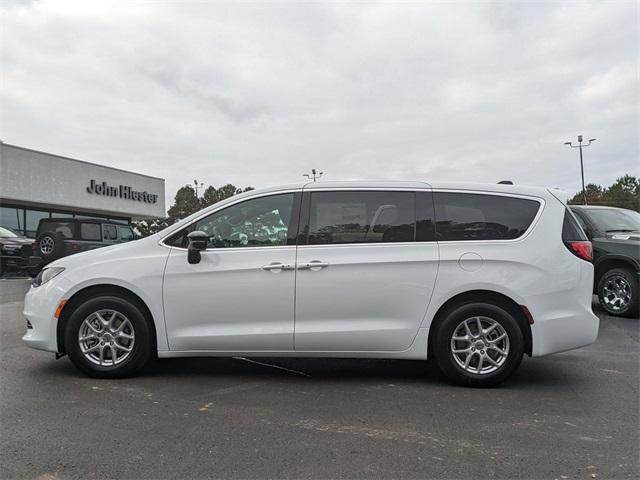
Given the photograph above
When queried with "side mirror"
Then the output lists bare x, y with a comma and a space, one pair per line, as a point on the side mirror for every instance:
197, 243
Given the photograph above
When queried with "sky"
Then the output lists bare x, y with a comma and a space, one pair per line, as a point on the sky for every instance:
258, 93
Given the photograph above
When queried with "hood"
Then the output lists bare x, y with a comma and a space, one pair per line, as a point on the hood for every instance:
105, 254
16, 241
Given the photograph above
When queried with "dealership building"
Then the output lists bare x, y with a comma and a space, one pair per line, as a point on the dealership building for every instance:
36, 185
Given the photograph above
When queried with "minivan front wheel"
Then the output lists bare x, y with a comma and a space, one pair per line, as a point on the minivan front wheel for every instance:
478, 344
108, 337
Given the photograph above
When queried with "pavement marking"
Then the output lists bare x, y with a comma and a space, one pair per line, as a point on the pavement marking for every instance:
273, 366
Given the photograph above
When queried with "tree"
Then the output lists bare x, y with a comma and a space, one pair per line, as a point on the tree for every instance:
214, 195
144, 228
184, 204
594, 195
624, 193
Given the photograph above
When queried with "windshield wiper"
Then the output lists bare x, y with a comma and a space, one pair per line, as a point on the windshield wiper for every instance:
623, 230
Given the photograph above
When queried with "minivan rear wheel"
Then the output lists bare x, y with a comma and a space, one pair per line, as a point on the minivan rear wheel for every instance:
108, 337
478, 345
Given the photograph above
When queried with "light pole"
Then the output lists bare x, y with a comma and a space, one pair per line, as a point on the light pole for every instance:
195, 182
313, 175
580, 145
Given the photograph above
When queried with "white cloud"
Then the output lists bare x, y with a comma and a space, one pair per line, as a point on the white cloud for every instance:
258, 93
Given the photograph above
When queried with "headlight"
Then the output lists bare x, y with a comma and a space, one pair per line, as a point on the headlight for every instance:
46, 274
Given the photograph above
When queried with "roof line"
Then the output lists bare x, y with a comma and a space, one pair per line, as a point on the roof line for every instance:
80, 161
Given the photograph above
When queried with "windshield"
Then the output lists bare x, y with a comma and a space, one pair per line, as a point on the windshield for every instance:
5, 232
614, 219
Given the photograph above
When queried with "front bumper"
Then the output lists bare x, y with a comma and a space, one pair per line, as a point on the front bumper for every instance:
20, 262
39, 309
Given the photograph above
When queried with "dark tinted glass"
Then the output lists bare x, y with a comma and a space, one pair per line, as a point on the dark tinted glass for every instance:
361, 217
425, 224
66, 229
470, 216
571, 230
90, 231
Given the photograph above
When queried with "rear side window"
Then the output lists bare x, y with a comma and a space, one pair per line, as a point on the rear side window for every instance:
472, 216
110, 232
63, 228
571, 230
361, 217
90, 231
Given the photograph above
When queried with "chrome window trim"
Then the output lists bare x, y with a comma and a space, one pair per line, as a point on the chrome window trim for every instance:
541, 202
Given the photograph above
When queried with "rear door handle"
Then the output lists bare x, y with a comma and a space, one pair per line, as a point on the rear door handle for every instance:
313, 265
277, 267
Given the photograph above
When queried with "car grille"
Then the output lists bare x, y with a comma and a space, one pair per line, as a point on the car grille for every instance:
26, 251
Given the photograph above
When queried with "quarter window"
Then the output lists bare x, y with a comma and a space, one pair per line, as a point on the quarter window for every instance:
258, 222
469, 216
361, 217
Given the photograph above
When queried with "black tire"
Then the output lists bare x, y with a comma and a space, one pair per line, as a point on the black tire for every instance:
443, 345
50, 253
142, 345
623, 275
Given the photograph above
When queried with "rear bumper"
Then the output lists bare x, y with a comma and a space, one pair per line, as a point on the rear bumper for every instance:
573, 330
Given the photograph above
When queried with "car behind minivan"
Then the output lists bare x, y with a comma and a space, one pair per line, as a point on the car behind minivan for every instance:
471, 275
59, 237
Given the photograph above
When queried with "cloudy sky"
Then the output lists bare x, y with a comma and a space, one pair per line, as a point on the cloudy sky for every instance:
256, 93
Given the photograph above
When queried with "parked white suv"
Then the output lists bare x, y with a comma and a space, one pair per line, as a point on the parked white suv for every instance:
471, 275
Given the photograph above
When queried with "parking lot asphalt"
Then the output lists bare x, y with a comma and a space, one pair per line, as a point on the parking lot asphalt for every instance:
571, 415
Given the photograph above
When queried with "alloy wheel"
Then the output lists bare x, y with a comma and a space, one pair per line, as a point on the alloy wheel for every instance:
46, 245
106, 337
616, 293
480, 345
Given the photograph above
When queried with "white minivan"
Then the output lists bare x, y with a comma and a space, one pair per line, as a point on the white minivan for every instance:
472, 275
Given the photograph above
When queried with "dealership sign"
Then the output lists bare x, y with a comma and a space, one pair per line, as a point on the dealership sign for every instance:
123, 191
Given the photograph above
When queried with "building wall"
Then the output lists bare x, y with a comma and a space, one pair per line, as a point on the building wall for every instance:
38, 179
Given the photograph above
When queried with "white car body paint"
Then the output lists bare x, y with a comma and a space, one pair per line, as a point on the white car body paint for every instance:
372, 300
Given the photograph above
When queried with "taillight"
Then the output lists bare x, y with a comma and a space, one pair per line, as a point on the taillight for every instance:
75, 247
33, 247
581, 249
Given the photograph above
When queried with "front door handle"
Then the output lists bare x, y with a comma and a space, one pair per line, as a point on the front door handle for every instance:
313, 265
277, 267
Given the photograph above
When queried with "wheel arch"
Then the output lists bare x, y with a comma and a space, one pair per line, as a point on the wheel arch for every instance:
102, 289
486, 296
608, 262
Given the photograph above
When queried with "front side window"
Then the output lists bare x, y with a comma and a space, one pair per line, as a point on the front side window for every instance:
258, 222
90, 231
361, 217
109, 232
471, 216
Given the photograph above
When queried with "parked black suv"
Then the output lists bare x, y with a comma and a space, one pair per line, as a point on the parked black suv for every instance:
59, 237
615, 235
16, 253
